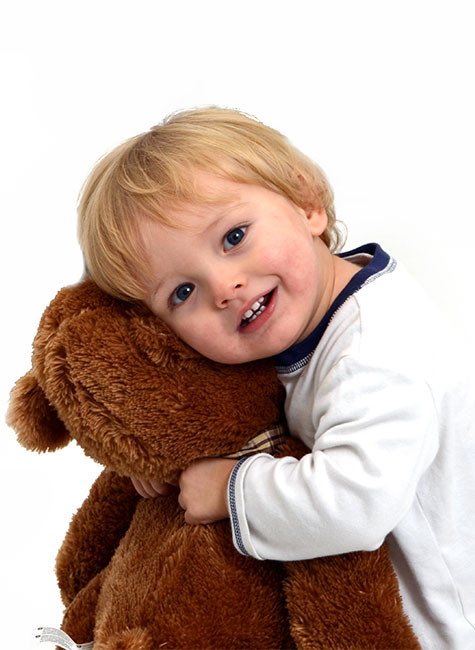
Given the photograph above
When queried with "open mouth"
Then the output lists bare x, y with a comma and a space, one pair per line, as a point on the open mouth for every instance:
256, 309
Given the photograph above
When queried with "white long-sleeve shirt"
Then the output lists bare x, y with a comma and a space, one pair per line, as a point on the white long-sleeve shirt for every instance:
377, 394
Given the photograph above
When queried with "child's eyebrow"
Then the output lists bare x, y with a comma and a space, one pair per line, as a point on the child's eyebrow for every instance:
155, 289
222, 212
236, 206
228, 211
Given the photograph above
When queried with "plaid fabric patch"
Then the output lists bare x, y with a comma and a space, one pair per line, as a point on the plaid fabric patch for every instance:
266, 442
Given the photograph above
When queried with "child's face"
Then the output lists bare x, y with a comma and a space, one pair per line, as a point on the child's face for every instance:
240, 281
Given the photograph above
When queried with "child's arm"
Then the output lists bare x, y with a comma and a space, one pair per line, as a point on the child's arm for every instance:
355, 486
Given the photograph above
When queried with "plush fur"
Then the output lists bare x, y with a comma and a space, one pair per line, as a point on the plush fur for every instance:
132, 574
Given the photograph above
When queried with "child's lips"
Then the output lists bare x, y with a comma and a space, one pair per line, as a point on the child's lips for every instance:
253, 317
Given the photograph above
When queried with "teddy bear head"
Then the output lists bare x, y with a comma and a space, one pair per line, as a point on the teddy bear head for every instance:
116, 379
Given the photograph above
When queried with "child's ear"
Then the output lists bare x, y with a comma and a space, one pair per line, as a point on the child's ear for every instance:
35, 421
318, 221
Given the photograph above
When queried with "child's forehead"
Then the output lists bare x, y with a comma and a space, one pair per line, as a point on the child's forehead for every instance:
211, 193
212, 189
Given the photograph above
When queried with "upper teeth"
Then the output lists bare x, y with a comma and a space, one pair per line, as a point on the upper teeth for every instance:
256, 309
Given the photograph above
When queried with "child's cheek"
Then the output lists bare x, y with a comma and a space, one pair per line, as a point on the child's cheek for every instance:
274, 254
284, 258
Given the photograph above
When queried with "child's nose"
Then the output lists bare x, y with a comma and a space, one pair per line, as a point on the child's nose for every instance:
227, 288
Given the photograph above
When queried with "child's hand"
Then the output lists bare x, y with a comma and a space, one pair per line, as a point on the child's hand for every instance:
151, 489
203, 490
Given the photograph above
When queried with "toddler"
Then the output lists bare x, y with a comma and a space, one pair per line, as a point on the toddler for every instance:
228, 234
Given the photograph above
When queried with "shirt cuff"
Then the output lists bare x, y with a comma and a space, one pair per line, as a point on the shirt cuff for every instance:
237, 510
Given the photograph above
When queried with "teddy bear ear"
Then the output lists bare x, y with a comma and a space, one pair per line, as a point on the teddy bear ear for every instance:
35, 421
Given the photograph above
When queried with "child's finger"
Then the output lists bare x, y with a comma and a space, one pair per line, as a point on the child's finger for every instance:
149, 489
160, 488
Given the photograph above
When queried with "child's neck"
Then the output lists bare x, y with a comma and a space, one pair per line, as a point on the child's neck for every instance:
343, 271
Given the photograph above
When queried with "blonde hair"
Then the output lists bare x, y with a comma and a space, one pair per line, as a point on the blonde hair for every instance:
153, 172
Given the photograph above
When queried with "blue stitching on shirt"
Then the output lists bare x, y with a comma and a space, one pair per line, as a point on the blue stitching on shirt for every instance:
233, 509
283, 370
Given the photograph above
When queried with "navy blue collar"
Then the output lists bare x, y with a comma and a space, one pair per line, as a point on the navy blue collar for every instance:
301, 351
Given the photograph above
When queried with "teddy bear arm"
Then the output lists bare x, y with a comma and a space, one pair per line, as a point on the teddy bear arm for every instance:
79, 617
95, 532
347, 601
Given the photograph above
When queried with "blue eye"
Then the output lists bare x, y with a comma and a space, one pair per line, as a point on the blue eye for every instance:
182, 292
234, 237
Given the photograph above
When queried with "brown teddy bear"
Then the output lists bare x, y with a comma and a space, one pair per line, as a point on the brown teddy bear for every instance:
132, 574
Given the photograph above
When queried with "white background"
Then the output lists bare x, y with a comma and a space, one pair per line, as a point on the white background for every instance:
379, 93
